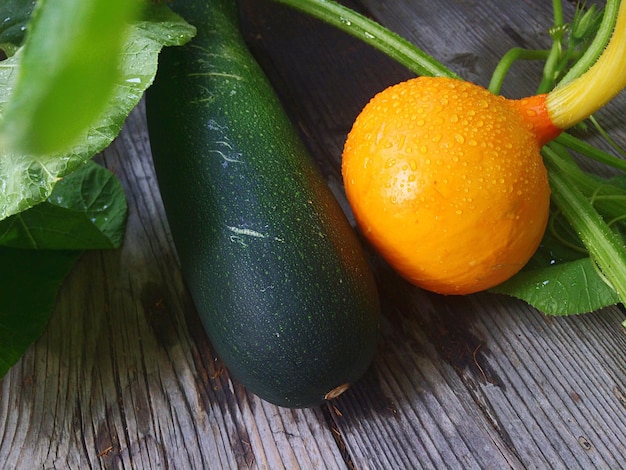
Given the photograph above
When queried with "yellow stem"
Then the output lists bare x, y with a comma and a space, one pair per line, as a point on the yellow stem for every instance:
577, 100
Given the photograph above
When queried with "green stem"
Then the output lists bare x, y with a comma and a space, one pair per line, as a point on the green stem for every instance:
604, 245
598, 44
609, 140
550, 70
577, 100
373, 34
590, 151
557, 9
507, 61
590, 185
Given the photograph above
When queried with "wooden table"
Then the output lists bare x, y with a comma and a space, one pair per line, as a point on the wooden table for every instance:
124, 377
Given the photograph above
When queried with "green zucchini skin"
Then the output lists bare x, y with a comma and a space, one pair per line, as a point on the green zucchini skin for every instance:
277, 274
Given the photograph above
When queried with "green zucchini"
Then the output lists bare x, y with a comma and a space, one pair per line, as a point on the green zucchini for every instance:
278, 276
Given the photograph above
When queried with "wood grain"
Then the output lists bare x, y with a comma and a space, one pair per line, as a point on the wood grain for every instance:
124, 377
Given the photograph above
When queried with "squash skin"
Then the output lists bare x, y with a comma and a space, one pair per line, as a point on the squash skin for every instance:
276, 272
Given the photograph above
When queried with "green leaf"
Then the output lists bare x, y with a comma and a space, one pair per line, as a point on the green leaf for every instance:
560, 279
87, 210
562, 289
69, 67
26, 180
14, 15
28, 290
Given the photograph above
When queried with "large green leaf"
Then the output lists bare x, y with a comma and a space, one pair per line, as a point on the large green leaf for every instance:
560, 279
28, 291
87, 210
80, 200
26, 180
562, 289
68, 69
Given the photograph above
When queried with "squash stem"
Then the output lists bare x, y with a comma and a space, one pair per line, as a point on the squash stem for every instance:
598, 44
578, 99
